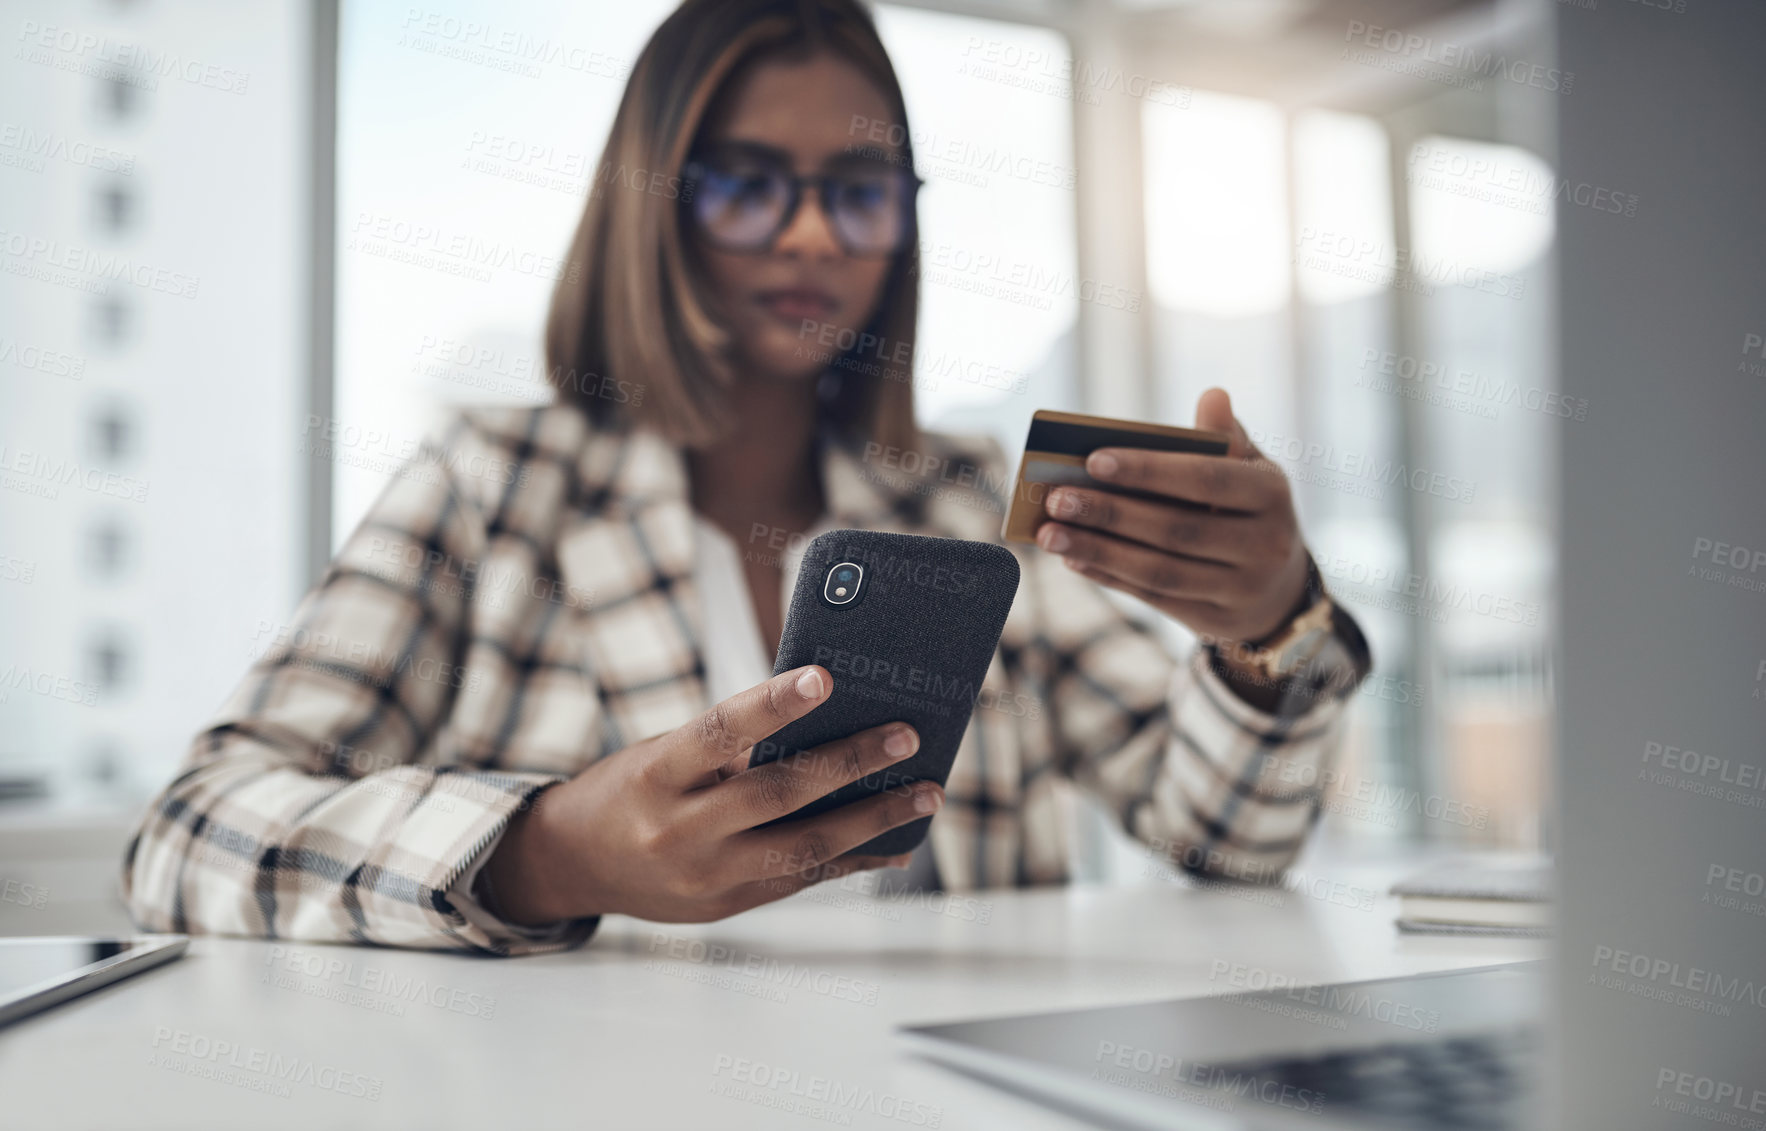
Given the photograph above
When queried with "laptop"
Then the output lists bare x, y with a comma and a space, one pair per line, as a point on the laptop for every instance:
1434, 1050
1654, 1013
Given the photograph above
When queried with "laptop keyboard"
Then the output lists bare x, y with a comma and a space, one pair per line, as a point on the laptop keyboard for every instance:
1476, 1081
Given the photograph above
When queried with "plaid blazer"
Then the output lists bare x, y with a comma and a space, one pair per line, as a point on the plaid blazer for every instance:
519, 602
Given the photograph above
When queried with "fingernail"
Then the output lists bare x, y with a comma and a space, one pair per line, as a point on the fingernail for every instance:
809, 684
1055, 540
901, 742
928, 801
1062, 503
1101, 464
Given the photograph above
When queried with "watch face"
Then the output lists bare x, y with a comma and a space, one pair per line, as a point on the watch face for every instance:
1302, 648
1309, 633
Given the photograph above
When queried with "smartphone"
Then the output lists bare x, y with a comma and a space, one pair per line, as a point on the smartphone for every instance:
1055, 451
907, 626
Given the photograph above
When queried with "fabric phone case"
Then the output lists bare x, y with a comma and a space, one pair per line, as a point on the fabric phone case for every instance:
1054, 456
914, 646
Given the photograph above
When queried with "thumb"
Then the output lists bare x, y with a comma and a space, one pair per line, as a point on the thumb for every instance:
1214, 413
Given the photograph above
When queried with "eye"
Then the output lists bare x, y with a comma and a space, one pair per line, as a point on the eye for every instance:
750, 186
863, 193
742, 185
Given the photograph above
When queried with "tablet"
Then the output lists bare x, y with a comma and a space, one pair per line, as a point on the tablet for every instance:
36, 973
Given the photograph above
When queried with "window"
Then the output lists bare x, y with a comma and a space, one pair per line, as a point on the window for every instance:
150, 521
118, 96
432, 140
108, 548
109, 320
113, 434
1383, 360
999, 297
437, 144
115, 209
108, 661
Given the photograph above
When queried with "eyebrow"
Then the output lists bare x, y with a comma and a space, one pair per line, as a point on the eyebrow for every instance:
862, 155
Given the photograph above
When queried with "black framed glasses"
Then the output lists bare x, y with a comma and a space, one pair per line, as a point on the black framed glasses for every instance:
742, 197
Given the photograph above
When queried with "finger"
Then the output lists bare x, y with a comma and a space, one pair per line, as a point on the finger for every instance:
691, 752
1248, 484
1214, 413
780, 788
1153, 570
1225, 538
798, 846
1201, 617
757, 892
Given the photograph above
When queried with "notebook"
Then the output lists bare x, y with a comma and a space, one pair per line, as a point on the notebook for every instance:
1477, 896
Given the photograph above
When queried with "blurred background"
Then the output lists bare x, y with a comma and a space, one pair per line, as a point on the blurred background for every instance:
252, 252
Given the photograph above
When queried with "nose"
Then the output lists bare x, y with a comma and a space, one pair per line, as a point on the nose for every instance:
810, 234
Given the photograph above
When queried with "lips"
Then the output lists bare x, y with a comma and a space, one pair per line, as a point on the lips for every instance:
795, 303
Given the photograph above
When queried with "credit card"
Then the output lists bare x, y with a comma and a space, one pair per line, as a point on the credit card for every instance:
1054, 456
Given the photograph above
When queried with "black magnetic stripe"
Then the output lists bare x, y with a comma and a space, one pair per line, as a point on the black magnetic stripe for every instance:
1075, 439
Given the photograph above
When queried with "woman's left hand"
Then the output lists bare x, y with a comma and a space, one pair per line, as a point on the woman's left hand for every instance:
1232, 571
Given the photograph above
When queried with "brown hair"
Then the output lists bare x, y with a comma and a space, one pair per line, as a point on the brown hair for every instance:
628, 312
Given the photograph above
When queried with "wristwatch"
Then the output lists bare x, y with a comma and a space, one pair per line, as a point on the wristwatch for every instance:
1319, 644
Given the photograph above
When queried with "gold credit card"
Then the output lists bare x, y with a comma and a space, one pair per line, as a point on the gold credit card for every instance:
1054, 456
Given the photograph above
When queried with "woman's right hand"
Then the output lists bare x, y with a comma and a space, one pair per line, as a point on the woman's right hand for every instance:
667, 830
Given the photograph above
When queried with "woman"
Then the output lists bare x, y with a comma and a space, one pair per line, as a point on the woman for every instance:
523, 694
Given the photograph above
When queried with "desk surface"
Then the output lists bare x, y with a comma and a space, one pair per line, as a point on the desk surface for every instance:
721, 1025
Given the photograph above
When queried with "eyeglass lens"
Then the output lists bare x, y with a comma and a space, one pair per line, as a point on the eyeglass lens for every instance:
743, 203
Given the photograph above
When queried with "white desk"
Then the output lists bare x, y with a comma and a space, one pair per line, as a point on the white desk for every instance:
643, 1029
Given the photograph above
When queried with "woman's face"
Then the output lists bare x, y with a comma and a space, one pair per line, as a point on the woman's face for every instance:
789, 304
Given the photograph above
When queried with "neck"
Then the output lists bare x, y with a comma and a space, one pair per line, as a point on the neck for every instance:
764, 471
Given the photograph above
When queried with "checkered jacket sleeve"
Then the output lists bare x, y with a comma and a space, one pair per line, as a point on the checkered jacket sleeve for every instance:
1206, 781
323, 803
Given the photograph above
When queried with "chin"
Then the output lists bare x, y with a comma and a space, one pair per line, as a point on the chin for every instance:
782, 356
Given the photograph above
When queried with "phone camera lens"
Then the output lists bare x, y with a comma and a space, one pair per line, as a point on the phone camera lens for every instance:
843, 583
